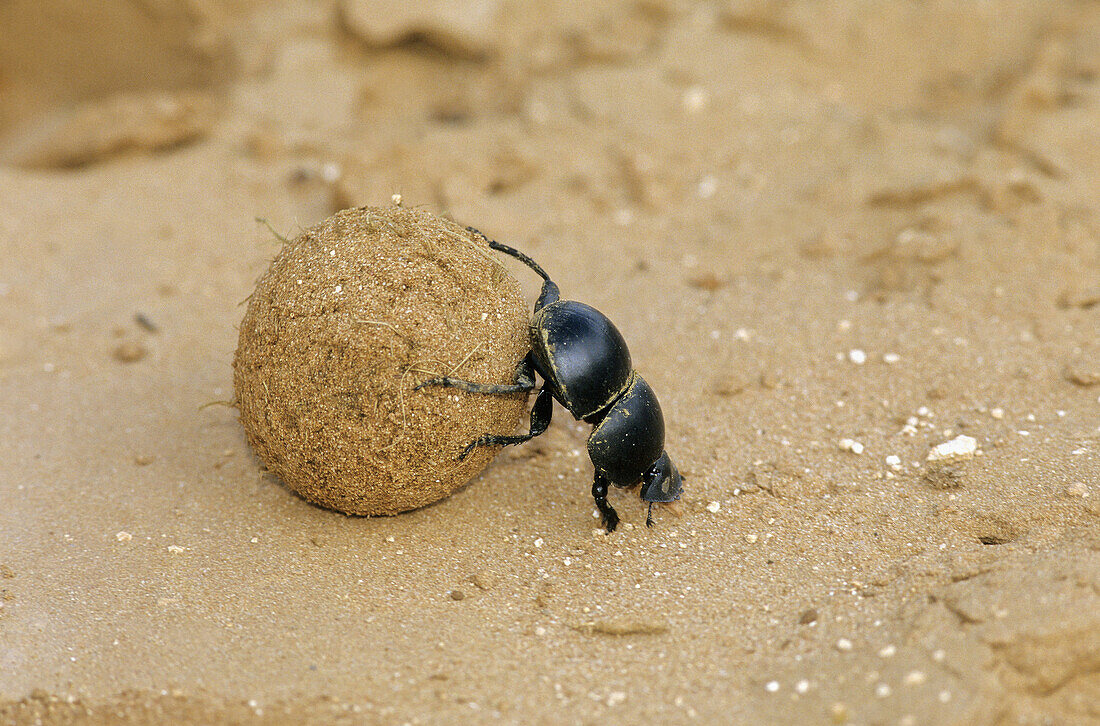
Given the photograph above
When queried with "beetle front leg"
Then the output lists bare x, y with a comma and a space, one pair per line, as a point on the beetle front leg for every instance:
607, 512
525, 381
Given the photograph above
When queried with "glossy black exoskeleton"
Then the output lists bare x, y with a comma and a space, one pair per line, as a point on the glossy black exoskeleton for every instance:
585, 365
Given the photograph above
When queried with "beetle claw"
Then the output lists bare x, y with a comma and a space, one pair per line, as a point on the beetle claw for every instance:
466, 452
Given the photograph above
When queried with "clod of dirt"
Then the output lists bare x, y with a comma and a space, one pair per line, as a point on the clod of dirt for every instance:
349, 318
465, 30
98, 130
129, 352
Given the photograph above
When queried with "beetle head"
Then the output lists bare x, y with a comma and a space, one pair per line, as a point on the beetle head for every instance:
662, 482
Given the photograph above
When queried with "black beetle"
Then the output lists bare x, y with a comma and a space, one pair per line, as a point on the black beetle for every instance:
585, 365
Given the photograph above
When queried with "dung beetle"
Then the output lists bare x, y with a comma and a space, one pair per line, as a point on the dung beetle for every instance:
585, 365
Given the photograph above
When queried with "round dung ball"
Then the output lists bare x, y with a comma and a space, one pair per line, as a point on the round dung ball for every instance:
348, 319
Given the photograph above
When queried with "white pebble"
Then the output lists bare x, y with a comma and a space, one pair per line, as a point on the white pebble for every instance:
175, 549
751, 538
772, 686
850, 445
857, 356
960, 447
844, 644
997, 413
882, 690
887, 651
890, 358
802, 686
915, 678
124, 536
714, 507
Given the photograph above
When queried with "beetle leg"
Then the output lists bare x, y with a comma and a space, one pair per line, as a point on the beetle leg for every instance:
525, 381
649, 516
599, 493
541, 413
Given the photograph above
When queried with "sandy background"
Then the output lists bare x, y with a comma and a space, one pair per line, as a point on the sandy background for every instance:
760, 194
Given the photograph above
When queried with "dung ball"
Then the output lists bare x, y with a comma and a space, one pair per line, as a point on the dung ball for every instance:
350, 317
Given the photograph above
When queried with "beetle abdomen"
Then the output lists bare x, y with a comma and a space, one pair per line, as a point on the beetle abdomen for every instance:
582, 354
630, 437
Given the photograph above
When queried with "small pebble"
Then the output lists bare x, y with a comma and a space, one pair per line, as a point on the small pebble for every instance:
888, 651
124, 536
714, 507
458, 595
844, 645
1077, 489
175, 549
857, 356
960, 447
997, 413
850, 445
772, 686
915, 678
882, 690
891, 358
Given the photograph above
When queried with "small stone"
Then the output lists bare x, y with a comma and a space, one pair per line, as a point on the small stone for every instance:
997, 413
915, 678
844, 645
751, 538
1077, 489
850, 445
124, 536
771, 686
714, 507
959, 448
887, 651
808, 617
838, 712
893, 461
458, 595
883, 690
890, 358
129, 352
175, 549
857, 356
1083, 374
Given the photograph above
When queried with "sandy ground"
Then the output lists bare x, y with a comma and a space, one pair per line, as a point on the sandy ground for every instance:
835, 234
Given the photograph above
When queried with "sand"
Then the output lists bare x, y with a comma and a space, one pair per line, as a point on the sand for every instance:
813, 223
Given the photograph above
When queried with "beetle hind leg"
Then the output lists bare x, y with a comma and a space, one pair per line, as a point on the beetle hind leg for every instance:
541, 414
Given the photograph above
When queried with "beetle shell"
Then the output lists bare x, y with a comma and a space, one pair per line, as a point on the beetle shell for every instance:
581, 354
631, 437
